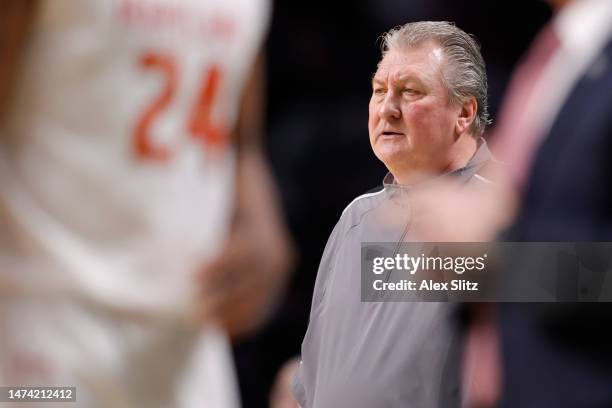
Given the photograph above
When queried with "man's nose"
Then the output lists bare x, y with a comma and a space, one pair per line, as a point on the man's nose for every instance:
389, 109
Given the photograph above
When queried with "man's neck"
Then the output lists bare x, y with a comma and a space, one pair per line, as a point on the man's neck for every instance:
459, 156
462, 152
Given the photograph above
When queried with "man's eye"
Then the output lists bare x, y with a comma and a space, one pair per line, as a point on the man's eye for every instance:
410, 91
379, 91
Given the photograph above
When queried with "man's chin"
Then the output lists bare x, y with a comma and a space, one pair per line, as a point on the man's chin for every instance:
393, 158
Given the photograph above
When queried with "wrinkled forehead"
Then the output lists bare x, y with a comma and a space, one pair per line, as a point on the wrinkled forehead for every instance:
424, 60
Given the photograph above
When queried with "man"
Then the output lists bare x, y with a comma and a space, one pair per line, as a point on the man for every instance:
427, 112
137, 220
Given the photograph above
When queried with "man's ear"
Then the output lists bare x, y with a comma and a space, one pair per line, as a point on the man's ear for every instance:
466, 115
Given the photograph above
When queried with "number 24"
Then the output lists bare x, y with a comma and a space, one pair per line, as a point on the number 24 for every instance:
200, 126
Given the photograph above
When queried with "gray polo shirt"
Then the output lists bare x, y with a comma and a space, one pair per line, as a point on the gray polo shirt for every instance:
369, 355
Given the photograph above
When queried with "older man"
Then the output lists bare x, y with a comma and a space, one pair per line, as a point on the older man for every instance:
427, 113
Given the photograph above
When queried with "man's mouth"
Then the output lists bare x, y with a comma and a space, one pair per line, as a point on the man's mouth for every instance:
391, 133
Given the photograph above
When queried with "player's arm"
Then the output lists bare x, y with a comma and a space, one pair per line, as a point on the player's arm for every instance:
242, 285
16, 17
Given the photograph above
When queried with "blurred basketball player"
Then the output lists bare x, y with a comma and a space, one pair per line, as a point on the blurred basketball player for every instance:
137, 221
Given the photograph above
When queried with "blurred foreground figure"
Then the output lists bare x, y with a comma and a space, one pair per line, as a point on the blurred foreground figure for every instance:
427, 112
558, 147
131, 239
555, 134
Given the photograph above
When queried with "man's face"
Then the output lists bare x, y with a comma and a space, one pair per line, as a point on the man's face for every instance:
411, 120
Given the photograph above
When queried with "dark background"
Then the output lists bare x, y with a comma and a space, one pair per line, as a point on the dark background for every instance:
321, 56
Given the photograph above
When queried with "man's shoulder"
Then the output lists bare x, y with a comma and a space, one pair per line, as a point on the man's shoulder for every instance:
354, 213
487, 174
364, 203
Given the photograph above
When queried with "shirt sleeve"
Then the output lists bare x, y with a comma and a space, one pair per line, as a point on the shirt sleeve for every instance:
325, 267
300, 381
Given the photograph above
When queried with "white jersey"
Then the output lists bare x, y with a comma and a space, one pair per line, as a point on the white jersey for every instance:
117, 183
